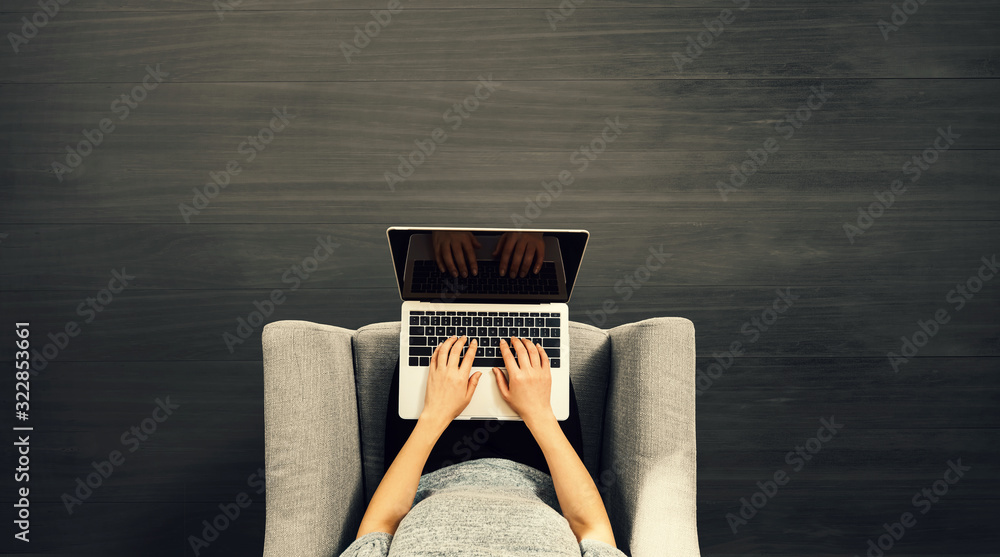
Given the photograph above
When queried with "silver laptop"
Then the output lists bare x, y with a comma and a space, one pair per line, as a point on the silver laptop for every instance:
486, 306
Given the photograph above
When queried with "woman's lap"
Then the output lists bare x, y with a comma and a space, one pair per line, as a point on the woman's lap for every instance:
472, 439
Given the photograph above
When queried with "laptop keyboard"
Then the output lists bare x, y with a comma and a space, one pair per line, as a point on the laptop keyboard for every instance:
428, 279
428, 329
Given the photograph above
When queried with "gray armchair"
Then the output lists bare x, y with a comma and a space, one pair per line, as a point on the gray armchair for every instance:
325, 397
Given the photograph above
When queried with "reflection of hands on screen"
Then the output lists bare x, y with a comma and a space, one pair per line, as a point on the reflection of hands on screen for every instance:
452, 248
521, 250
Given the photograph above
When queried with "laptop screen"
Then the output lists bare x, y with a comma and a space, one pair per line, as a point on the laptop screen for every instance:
419, 253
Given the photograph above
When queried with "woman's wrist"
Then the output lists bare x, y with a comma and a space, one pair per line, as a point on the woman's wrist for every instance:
540, 421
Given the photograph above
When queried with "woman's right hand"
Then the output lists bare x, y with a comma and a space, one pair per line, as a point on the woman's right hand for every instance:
527, 388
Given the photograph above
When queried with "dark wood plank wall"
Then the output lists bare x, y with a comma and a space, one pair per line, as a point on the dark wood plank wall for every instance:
656, 185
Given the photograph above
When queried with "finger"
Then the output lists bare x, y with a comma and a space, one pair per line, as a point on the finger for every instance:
448, 261
539, 257
529, 258
543, 357
438, 257
515, 262
522, 353
475, 241
505, 257
503, 238
470, 254
470, 356
456, 351
502, 383
508, 357
471, 389
459, 255
532, 355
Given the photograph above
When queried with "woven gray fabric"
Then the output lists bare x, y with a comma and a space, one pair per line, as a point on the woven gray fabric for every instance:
648, 457
312, 454
634, 386
486, 507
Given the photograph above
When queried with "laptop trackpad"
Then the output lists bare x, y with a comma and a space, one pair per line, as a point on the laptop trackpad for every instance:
487, 403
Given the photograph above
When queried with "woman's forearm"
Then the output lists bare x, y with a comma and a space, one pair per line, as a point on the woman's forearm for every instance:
395, 493
579, 499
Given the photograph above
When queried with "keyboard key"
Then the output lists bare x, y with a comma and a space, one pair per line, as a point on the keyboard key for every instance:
554, 363
493, 313
529, 322
466, 321
460, 331
482, 313
414, 331
488, 362
523, 332
482, 332
487, 322
550, 342
418, 341
445, 321
439, 312
477, 321
439, 331
552, 352
518, 321
450, 331
534, 332
480, 352
425, 361
555, 332
543, 333
414, 361
508, 321
425, 320
495, 341
435, 320
416, 313
536, 341
491, 352
420, 351
552, 322
492, 331
502, 332
451, 313
414, 320
535, 314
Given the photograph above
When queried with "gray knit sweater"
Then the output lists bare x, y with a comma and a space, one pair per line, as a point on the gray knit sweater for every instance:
483, 507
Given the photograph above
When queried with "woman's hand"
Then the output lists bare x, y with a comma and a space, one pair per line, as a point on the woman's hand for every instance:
449, 386
523, 250
451, 250
528, 389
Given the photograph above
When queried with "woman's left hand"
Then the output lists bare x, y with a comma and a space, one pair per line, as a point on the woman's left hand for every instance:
449, 386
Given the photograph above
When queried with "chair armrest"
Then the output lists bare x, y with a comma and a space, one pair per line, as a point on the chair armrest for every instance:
315, 495
648, 459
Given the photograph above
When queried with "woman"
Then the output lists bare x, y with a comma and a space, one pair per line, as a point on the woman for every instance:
486, 506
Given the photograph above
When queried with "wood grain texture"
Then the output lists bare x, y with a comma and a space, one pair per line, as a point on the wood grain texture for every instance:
460, 44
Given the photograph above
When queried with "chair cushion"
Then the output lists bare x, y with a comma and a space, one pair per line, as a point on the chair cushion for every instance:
376, 350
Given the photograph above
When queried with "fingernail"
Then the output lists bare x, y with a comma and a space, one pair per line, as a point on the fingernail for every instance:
464, 274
